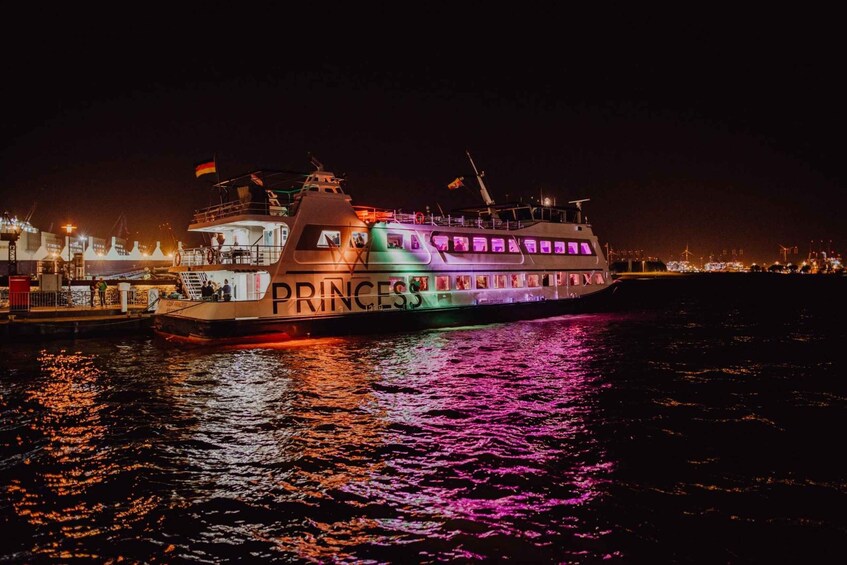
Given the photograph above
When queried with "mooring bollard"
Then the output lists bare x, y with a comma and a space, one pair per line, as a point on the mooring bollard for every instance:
123, 288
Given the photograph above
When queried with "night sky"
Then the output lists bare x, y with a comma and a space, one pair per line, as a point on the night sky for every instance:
721, 133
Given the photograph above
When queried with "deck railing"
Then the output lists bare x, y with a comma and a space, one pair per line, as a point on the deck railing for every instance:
259, 255
74, 298
229, 209
373, 215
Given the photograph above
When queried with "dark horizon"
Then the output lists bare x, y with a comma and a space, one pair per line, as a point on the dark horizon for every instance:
680, 136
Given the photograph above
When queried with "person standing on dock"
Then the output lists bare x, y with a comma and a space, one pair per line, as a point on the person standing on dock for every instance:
101, 290
92, 290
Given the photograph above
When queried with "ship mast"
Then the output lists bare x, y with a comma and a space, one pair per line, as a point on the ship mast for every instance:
482, 190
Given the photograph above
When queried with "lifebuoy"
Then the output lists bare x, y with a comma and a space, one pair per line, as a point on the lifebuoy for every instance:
177, 258
419, 218
210, 256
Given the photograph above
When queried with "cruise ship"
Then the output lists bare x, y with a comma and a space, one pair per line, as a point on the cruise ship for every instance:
316, 265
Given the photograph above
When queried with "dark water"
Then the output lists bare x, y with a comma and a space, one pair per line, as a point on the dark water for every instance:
699, 422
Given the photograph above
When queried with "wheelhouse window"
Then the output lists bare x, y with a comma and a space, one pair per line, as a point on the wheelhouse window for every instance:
529, 245
460, 243
480, 244
573, 248
395, 240
545, 246
599, 279
513, 246
463, 282
329, 238
482, 281
419, 283
518, 280
574, 279
559, 247
533, 280
498, 245
442, 282
585, 248
500, 281
440, 242
359, 239
560, 278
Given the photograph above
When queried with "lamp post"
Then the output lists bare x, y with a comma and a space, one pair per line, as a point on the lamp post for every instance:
69, 228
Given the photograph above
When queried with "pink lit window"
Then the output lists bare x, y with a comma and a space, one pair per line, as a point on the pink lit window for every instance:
397, 284
518, 280
499, 281
559, 247
421, 283
498, 245
482, 281
574, 279
573, 248
533, 279
529, 245
545, 246
480, 244
442, 282
560, 279
586, 278
598, 278
584, 248
513, 246
463, 282
460, 243
440, 242
415, 242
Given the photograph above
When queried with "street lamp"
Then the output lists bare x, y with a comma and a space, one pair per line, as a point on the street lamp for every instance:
69, 228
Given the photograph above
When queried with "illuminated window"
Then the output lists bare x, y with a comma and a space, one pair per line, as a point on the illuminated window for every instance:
513, 246
498, 245
440, 242
560, 279
419, 283
518, 280
529, 245
545, 246
395, 241
499, 281
573, 248
598, 278
533, 279
397, 284
359, 239
463, 282
584, 248
415, 243
442, 282
586, 278
574, 279
482, 281
460, 243
480, 244
329, 238
559, 247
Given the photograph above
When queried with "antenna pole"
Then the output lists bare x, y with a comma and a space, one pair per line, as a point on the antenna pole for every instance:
482, 190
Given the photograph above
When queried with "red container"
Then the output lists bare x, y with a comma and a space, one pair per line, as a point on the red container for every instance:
19, 293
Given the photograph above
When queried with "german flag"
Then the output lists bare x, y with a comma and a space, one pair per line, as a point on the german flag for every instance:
205, 168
